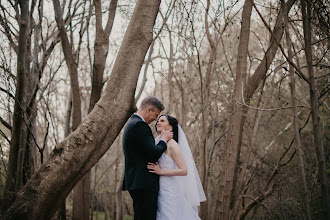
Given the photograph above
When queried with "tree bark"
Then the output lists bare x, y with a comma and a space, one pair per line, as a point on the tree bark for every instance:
119, 200
72, 158
233, 143
61, 212
18, 128
301, 166
318, 144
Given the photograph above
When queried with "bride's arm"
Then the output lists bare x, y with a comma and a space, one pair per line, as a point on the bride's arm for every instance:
178, 159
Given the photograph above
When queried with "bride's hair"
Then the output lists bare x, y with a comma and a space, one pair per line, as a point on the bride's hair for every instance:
174, 123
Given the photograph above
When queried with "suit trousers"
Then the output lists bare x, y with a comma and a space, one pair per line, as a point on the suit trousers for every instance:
144, 203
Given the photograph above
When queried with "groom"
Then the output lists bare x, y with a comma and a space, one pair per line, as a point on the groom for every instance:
139, 149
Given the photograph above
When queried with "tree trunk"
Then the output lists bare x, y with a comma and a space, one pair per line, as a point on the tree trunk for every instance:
71, 64
101, 48
32, 80
74, 156
237, 128
205, 112
24, 138
305, 192
81, 199
61, 212
233, 143
18, 127
119, 200
306, 13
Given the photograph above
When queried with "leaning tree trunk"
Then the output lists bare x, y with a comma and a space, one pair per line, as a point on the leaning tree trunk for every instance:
74, 156
18, 128
264, 65
306, 13
297, 140
233, 143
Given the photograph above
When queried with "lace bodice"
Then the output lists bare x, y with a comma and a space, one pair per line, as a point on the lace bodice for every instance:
172, 205
166, 162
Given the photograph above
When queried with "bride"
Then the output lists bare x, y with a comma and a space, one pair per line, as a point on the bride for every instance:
180, 189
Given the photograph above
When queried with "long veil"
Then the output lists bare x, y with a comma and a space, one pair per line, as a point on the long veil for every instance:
190, 185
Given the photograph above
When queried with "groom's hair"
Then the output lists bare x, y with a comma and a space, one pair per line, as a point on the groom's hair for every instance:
152, 101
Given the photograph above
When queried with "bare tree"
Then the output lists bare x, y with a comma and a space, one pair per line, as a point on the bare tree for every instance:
297, 139
318, 143
232, 151
242, 94
13, 180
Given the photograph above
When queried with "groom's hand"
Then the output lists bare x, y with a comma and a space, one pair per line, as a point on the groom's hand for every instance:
154, 168
166, 135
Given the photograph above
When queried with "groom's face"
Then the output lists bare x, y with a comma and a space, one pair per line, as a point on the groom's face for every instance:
152, 114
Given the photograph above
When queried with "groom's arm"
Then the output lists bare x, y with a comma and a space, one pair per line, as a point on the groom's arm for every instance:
147, 143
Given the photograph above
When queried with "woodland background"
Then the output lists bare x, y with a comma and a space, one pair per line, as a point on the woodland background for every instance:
247, 80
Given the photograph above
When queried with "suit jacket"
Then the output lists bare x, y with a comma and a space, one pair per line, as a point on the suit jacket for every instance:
139, 149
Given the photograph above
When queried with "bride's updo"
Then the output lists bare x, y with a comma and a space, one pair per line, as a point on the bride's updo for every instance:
174, 123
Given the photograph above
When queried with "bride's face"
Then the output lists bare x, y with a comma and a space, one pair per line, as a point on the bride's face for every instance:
163, 124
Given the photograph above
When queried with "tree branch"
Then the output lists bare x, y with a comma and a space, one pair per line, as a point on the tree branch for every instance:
279, 45
6, 124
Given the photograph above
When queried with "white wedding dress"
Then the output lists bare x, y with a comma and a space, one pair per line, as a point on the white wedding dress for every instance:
172, 204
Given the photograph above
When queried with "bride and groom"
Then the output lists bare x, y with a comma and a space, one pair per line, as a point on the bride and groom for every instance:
160, 174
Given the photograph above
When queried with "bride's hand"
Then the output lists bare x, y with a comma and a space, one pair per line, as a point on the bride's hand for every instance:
154, 168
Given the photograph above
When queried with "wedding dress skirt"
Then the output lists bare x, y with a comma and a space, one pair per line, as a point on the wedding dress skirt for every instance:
172, 205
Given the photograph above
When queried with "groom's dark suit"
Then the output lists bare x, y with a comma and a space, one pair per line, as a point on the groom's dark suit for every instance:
139, 149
